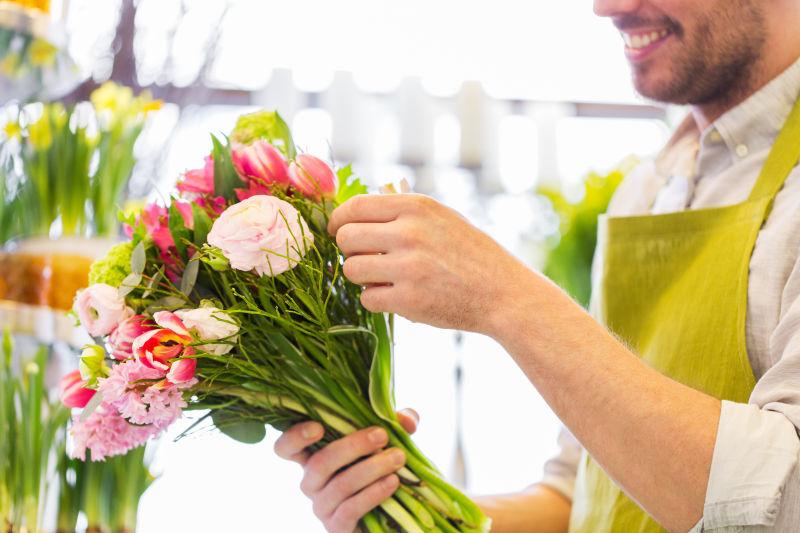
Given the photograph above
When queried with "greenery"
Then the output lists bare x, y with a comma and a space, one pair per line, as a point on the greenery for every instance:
571, 250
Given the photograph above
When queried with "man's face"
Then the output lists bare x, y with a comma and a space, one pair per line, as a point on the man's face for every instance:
689, 51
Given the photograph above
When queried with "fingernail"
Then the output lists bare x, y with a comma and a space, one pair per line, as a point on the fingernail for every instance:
378, 436
312, 431
397, 457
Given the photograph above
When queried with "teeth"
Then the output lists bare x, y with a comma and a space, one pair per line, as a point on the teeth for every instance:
641, 40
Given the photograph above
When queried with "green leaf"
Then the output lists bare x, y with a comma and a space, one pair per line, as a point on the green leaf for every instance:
153, 282
138, 259
381, 393
130, 282
202, 225
349, 186
180, 233
90, 407
190, 275
246, 431
267, 125
225, 177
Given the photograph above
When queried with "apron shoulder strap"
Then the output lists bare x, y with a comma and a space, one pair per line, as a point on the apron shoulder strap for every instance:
781, 160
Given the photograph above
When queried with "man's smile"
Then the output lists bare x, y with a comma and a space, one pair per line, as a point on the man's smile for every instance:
640, 43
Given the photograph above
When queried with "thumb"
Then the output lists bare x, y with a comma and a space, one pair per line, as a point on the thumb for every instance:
409, 419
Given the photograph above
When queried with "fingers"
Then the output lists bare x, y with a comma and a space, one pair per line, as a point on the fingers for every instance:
294, 441
346, 516
321, 466
356, 478
369, 269
409, 419
374, 208
363, 238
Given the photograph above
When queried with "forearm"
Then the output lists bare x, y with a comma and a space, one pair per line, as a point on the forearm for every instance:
538, 508
650, 433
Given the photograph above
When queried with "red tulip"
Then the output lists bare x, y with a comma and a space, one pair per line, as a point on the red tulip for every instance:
156, 348
73, 392
312, 177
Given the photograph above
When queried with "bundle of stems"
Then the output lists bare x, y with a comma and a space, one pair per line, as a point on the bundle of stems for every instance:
310, 351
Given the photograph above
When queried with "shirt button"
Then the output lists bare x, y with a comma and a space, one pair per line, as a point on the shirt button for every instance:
742, 151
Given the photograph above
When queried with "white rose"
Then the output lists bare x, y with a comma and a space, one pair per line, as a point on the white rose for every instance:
210, 324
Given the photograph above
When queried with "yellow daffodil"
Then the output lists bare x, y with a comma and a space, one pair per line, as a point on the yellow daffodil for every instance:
112, 97
12, 130
42, 53
40, 133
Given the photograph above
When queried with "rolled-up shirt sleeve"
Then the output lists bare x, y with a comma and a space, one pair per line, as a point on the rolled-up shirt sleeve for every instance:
754, 483
560, 470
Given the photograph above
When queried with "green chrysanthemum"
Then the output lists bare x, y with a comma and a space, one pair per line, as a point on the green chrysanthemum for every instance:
114, 267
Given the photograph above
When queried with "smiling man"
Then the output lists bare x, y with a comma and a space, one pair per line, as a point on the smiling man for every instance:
681, 392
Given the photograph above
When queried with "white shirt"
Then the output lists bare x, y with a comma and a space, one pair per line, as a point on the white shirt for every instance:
754, 484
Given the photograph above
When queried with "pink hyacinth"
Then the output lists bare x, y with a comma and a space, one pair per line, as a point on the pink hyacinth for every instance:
142, 395
199, 181
105, 433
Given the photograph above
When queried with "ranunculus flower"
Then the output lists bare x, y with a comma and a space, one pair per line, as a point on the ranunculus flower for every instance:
262, 233
100, 309
312, 177
210, 324
260, 162
73, 391
121, 339
156, 348
199, 181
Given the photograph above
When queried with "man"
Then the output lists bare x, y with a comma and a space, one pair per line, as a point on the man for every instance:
688, 413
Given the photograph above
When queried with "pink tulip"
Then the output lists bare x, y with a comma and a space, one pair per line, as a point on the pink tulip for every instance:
199, 181
260, 162
73, 392
182, 371
312, 177
121, 339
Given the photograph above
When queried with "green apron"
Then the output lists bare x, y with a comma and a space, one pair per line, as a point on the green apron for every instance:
674, 287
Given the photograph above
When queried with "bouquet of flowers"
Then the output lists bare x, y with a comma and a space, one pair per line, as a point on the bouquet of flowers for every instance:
231, 299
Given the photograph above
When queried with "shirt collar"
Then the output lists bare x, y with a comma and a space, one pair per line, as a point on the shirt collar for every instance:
750, 126
756, 122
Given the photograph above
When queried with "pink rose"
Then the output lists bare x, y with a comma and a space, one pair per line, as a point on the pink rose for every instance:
200, 181
312, 177
73, 390
262, 233
100, 309
121, 339
260, 162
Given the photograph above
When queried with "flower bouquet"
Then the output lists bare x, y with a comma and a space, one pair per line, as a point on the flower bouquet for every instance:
231, 299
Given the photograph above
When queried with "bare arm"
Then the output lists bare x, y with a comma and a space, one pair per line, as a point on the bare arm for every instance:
537, 509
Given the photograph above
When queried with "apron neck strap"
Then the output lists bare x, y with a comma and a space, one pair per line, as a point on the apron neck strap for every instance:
782, 158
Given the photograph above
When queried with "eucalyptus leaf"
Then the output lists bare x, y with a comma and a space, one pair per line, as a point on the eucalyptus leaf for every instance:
130, 282
165, 303
153, 282
190, 275
138, 259
91, 406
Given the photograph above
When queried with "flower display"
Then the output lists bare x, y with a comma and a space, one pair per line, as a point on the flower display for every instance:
262, 233
234, 302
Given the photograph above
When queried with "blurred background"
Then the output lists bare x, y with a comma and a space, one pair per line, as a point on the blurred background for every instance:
519, 115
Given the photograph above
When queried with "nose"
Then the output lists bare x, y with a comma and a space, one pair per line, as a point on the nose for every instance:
613, 8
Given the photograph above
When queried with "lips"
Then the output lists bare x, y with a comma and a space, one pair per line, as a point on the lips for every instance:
639, 44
